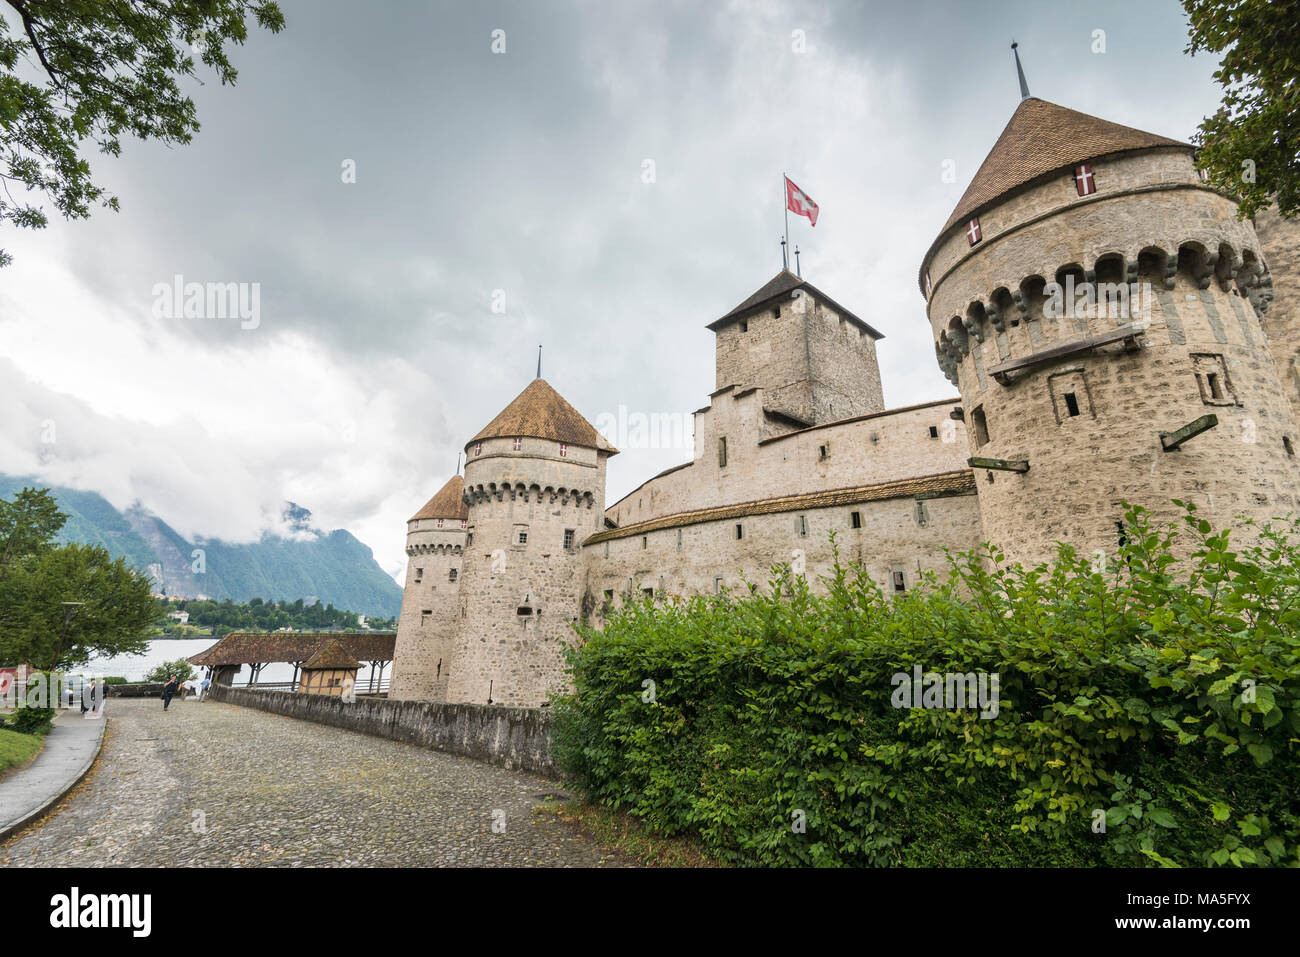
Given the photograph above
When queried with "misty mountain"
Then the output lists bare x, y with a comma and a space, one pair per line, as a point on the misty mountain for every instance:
332, 566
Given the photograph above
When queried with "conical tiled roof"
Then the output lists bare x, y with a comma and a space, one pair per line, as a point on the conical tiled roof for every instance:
447, 503
540, 412
779, 287
1040, 138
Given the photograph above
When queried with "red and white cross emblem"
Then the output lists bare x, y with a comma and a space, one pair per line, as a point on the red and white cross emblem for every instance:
973, 231
1084, 181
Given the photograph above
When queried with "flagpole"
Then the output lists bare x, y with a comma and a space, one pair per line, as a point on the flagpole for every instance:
785, 202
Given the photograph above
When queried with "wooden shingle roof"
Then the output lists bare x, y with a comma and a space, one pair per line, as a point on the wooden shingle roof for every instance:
250, 648
540, 412
1042, 138
961, 482
448, 503
330, 655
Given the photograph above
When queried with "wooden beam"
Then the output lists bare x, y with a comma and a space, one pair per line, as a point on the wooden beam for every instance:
1172, 440
1004, 465
1126, 334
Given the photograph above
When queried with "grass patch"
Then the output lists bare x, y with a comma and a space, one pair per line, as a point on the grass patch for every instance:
624, 833
17, 749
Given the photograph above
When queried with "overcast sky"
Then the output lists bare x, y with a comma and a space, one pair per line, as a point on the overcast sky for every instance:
378, 354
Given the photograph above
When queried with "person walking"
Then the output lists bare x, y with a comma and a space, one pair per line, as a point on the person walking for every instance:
203, 688
169, 689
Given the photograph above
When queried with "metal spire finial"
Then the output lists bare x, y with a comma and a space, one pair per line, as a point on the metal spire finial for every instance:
539, 362
797, 271
457, 463
1020, 73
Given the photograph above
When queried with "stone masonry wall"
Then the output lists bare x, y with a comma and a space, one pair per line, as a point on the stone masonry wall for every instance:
430, 611
1279, 239
518, 600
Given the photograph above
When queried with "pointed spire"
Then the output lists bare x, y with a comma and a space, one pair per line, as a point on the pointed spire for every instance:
458, 455
1024, 87
539, 362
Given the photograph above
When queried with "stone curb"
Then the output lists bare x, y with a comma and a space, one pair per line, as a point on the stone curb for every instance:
9, 828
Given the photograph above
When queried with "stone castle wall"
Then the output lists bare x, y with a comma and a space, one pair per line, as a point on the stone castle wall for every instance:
1154, 223
811, 362
519, 598
1279, 239
430, 611
868, 450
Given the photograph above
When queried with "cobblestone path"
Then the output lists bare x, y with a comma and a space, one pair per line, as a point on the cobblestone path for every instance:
209, 784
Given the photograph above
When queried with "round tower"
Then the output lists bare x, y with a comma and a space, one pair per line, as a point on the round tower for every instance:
435, 539
1096, 305
534, 489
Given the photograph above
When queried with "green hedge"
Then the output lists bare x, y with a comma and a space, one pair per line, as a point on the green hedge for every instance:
1148, 711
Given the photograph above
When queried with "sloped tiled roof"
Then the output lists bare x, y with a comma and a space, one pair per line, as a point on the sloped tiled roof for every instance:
331, 654
249, 648
448, 503
540, 412
945, 483
1040, 138
779, 287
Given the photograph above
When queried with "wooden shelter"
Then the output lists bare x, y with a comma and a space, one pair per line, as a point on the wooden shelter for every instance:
257, 649
328, 671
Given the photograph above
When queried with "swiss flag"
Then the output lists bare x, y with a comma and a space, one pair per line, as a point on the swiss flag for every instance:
797, 201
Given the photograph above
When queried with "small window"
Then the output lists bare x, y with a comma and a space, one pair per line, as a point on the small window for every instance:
523, 538
608, 603
899, 581
478, 448
801, 526
419, 574
823, 452
740, 531
649, 593
981, 426
425, 615
722, 452
452, 575
776, 312
519, 444
679, 539
568, 538
607, 549
1071, 404
645, 542
744, 325
717, 585
1286, 444
520, 535
934, 431
855, 519
469, 539
523, 610
1212, 379
564, 450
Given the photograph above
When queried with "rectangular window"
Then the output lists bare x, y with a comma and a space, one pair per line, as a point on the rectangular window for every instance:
1070, 396
649, 593
519, 535
981, 426
801, 526
679, 536
899, 581
934, 431
519, 444
1071, 404
607, 549
419, 574
855, 519
609, 601
744, 325
717, 585
452, 575
1212, 379
568, 538
645, 542
722, 452
740, 531
823, 452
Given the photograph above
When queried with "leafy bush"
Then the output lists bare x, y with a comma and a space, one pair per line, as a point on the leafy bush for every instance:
1149, 711
30, 720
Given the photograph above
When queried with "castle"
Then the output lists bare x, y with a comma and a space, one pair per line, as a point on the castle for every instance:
1099, 309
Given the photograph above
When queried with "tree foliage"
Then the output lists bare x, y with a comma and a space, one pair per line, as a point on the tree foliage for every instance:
1149, 711
78, 71
114, 604
1251, 145
182, 669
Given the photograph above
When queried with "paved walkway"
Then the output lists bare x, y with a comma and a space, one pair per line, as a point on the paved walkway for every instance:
213, 784
69, 749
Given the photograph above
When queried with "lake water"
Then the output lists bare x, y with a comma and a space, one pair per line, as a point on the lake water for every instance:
134, 667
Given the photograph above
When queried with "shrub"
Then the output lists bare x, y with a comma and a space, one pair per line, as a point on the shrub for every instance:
30, 720
1148, 711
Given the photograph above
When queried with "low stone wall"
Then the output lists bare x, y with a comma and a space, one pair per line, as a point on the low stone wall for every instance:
508, 737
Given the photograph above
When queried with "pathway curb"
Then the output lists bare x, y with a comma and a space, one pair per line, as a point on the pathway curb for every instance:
8, 828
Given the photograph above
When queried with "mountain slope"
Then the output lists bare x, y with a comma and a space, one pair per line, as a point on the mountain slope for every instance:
333, 567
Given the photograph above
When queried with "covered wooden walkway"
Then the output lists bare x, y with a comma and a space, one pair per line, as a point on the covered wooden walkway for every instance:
258, 649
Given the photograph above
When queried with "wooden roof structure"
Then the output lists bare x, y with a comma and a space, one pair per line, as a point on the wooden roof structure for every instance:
255, 648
